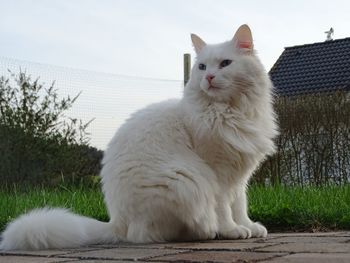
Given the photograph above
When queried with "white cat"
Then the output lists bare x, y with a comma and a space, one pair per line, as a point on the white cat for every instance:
177, 170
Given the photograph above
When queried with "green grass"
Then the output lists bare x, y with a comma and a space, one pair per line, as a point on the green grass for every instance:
82, 200
301, 208
279, 208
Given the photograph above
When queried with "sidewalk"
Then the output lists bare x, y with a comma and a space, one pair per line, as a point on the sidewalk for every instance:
283, 247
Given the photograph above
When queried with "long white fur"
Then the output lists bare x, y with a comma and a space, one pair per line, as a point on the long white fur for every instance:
54, 228
176, 170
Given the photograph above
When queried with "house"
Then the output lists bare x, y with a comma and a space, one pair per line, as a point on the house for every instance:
314, 143
313, 68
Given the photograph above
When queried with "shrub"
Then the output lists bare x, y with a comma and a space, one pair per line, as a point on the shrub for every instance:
314, 144
38, 142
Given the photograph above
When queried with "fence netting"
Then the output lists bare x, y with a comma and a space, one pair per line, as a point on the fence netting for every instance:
106, 98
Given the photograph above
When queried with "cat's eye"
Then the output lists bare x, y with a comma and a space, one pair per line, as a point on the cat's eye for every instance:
202, 66
225, 63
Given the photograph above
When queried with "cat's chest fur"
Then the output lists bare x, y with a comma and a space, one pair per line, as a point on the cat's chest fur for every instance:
217, 135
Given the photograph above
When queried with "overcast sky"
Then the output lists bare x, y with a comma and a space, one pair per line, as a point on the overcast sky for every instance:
148, 37
143, 38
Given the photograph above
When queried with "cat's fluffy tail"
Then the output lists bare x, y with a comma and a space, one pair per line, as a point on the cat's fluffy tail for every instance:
54, 228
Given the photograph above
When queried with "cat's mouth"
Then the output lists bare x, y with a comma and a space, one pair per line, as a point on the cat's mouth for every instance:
213, 88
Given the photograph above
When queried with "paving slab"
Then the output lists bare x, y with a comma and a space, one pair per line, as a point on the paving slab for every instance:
309, 239
277, 247
312, 258
217, 246
308, 248
218, 256
27, 259
133, 254
49, 252
310, 234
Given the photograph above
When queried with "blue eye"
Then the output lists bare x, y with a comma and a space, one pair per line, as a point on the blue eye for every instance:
201, 66
225, 63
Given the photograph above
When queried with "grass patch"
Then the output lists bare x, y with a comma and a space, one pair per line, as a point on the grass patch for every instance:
301, 208
86, 201
279, 208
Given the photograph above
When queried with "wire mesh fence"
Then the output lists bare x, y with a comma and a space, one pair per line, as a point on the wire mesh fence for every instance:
106, 98
313, 147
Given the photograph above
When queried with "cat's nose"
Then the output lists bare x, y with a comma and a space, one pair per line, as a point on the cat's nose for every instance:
209, 77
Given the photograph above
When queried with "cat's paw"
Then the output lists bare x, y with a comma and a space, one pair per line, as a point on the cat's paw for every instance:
238, 232
258, 230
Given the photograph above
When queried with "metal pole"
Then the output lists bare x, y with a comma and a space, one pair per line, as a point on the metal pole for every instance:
187, 67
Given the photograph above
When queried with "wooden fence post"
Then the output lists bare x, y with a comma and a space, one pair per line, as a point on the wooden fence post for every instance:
187, 67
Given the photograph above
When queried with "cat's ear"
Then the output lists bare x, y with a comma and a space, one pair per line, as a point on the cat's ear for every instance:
243, 39
197, 42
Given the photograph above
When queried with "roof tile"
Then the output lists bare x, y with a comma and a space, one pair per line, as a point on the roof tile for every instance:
313, 68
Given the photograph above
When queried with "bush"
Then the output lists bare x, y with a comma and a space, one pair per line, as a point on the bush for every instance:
38, 142
314, 144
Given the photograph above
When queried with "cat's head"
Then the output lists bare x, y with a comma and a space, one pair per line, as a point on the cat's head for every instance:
227, 70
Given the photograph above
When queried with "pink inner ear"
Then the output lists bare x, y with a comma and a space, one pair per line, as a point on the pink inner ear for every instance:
244, 44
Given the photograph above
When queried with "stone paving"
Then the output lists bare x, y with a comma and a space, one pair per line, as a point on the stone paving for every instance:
282, 247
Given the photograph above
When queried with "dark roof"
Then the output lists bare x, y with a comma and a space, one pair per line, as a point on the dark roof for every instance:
313, 68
